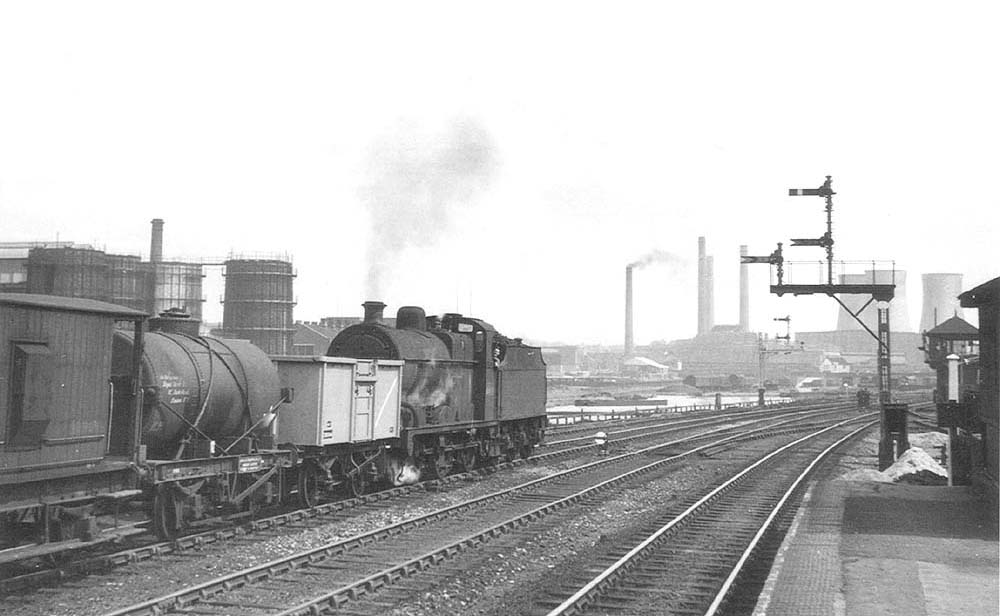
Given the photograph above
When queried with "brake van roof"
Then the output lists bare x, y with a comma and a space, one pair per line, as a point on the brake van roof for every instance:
70, 304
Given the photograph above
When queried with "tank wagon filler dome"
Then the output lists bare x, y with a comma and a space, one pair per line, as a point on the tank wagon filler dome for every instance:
221, 386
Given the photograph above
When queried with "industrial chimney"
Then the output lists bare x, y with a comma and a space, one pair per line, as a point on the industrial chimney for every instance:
744, 293
940, 303
629, 341
156, 241
701, 287
709, 293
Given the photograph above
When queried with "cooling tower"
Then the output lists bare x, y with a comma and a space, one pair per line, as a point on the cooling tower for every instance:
629, 343
940, 299
899, 314
744, 293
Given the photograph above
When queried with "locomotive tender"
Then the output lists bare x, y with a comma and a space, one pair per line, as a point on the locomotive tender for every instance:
224, 427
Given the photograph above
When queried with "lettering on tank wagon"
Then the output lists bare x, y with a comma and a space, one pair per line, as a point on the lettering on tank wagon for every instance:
174, 388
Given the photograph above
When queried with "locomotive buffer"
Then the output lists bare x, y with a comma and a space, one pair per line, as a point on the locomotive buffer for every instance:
893, 433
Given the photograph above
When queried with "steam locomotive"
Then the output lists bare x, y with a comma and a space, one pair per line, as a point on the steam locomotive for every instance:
93, 415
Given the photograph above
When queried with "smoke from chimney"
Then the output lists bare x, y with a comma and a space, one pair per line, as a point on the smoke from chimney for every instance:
415, 184
654, 256
156, 241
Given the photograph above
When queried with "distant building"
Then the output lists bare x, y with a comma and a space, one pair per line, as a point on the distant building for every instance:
644, 368
311, 338
857, 345
560, 360
834, 364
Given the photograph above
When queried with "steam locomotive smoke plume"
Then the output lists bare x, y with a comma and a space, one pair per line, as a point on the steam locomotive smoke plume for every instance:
656, 256
415, 184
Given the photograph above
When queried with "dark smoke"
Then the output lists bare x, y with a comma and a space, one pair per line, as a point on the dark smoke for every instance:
414, 186
655, 256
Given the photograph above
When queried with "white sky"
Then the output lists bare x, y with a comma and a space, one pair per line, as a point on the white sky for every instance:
250, 127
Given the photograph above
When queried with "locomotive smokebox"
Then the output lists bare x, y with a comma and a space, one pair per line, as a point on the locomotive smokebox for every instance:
411, 317
373, 311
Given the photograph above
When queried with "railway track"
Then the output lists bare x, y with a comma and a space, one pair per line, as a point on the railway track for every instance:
138, 550
389, 556
692, 561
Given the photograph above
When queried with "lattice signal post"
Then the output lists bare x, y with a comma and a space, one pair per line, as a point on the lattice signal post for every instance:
893, 433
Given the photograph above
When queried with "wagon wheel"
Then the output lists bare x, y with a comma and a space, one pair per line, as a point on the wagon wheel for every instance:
167, 512
356, 485
440, 464
308, 485
526, 451
468, 459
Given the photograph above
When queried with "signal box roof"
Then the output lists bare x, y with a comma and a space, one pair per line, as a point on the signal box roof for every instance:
70, 304
955, 328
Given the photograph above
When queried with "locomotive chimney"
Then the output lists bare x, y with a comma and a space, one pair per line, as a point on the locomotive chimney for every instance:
156, 241
373, 311
629, 342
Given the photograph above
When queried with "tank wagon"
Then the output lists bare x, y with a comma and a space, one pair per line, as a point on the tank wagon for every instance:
72, 389
426, 397
92, 416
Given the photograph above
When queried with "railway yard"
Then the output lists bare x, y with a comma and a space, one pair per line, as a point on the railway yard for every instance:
681, 515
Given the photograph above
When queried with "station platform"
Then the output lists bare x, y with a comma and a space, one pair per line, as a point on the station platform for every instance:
861, 548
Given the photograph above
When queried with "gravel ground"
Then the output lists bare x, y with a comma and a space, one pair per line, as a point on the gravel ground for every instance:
125, 586
496, 580
516, 569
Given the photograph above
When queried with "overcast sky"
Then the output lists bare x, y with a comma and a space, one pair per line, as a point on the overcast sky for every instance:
505, 158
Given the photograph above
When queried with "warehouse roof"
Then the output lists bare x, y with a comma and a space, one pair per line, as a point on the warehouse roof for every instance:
71, 304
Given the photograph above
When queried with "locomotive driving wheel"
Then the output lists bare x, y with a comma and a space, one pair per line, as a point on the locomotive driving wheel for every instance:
167, 512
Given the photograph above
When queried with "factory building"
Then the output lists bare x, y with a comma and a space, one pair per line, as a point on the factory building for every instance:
313, 338
14, 262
